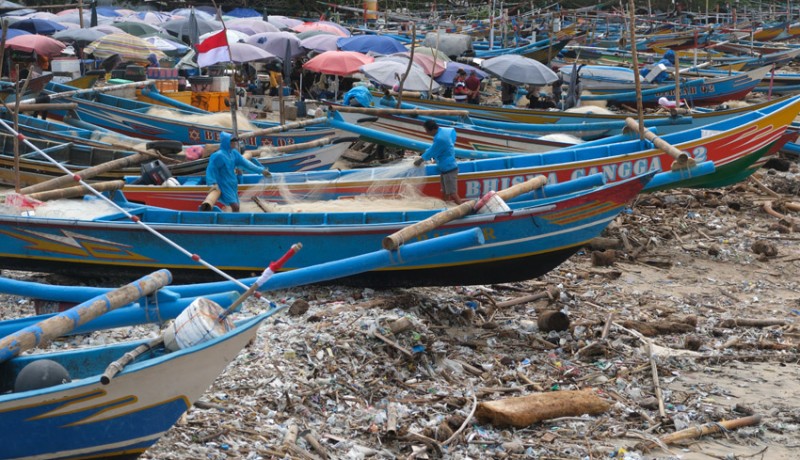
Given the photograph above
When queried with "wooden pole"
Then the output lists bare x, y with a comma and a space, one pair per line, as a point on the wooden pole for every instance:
410, 63
435, 57
19, 92
682, 159
289, 148
637, 78
80, 13
116, 366
283, 127
281, 108
394, 240
101, 89
677, 68
80, 190
211, 199
47, 106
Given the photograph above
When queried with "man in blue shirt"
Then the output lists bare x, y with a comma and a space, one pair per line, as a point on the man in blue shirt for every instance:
220, 172
442, 151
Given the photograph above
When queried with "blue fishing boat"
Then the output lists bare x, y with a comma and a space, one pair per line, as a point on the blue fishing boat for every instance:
536, 235
135, 118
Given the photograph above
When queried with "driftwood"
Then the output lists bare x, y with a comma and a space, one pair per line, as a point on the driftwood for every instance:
740, 322
651, 329
524, 411
551, 293
700, 430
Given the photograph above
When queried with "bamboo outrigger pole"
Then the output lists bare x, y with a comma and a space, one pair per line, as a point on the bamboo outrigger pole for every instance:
636, 77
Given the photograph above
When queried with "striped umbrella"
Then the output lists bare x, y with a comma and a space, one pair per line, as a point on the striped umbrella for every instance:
128, 47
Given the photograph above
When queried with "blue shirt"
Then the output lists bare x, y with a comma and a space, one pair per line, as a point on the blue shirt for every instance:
443, 150
220, 170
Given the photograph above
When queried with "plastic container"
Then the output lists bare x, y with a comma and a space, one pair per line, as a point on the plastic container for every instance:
135, 73
491, 203
198, 323
220, 84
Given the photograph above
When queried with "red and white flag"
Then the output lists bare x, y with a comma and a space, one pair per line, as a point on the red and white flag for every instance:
213, 49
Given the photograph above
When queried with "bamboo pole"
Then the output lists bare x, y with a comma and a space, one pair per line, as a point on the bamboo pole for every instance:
394, 240
289, 148
700, 430
410, 63
102, 89
636, 77
63, 181
47, 106
211, 199
682, 159
283, 127
80, 190
65, 322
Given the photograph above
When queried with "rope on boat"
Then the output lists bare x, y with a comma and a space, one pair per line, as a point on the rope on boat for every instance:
135, 219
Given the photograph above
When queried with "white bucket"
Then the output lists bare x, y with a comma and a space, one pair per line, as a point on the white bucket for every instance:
198, 323
491, 203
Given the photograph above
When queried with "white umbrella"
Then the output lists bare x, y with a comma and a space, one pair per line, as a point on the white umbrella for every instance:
519, 70
389, 72
242, 52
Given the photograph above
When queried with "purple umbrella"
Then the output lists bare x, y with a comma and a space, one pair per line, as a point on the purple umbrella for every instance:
251, 26
276, 42
321, 43
282, 22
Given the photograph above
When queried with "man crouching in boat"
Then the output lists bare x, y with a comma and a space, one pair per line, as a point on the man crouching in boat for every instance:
221, 171
442, 151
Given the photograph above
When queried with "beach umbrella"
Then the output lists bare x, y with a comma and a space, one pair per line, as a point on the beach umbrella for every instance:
320, 43
440, 56
11, 33
243, 13
128, 47
234, 36
251, 26
19, 12
40, 15
169, 47
378, 44
180, 27
80, 37
150, 17
282, 22
321, 26
519, 70
37, 26
276, 42
75, 18
389, 72
449, 74
339, 63
185, 12
427, 63
40, 44
194, 29
243, 52
107, 29
314, 33
138, 29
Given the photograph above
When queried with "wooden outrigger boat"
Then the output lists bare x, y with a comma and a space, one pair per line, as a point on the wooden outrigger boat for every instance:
539, 232
735, 146
131, 118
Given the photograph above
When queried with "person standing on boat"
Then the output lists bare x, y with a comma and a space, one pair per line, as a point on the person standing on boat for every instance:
660, 68
442, 151
221, 171
474, 87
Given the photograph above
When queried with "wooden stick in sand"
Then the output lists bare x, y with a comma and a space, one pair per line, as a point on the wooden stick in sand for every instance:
394, 240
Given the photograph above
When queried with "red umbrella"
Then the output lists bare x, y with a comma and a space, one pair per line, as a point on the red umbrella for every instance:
324, 27
337, 62
426, 62
40, 44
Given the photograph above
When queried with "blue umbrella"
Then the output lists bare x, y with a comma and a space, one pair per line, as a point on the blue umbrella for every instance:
37, 26
11, 33
378, 44
449, 74
243, 13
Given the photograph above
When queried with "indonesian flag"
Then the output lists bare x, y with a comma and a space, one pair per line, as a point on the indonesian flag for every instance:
213, 49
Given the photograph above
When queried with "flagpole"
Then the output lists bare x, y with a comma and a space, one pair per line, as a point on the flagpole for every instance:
232, 84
